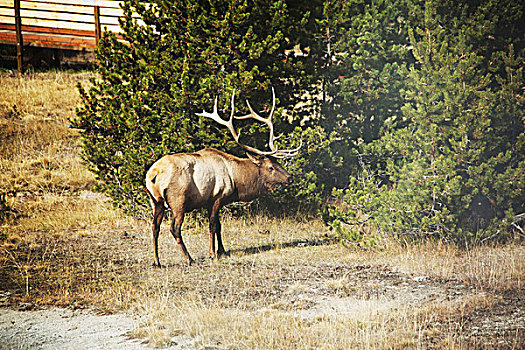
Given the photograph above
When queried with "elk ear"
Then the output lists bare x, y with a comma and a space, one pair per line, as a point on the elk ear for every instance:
257, 159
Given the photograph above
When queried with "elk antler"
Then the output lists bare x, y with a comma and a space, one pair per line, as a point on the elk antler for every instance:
275, 152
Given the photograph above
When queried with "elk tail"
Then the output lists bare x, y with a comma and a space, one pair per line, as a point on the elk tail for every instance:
151, 177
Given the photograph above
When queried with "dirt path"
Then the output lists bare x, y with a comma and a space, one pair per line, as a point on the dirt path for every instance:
58, 328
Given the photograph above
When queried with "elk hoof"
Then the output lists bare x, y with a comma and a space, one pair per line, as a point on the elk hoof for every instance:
191, 261
222, 253
156, 265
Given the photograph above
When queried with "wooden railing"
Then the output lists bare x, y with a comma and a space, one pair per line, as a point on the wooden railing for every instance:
60, 24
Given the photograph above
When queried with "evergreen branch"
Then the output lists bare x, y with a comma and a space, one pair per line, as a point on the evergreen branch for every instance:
355, 223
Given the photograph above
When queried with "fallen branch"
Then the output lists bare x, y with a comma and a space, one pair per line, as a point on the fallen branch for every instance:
355, 244
518, 228
490, 237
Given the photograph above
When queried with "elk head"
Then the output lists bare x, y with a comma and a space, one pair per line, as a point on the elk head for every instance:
272, 174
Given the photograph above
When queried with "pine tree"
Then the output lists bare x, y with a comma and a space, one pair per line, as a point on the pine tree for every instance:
455, 164
361, 47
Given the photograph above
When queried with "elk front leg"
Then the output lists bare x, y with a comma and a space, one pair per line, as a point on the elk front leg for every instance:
220, 248
176, 225
215, 230
158, 215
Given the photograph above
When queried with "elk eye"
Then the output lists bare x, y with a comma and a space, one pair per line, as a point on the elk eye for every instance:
270, 167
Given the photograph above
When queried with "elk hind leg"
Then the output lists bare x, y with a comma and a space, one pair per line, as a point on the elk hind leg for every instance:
176, 226
158, 215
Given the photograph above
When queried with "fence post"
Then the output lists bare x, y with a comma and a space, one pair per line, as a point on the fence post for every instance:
98, 33
19, 38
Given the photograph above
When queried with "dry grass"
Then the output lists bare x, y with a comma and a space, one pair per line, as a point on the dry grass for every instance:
324, 297
273, 329
287, 284
47, 185
39, 152
485, 268
40, 167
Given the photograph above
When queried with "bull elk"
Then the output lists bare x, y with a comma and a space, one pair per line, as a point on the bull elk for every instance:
211, 179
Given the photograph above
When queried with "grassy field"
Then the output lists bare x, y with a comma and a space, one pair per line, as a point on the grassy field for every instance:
287, 283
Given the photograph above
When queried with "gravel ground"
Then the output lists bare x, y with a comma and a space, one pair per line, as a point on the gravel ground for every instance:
58, 328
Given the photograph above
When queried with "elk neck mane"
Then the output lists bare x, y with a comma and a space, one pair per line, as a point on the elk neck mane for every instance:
244, 173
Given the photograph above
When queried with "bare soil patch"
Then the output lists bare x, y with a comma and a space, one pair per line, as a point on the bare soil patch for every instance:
57, 328
499, 327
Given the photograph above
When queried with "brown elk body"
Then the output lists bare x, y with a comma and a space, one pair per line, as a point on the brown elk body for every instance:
210, 179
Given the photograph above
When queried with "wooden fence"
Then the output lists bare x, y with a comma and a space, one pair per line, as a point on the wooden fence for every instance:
58, 24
